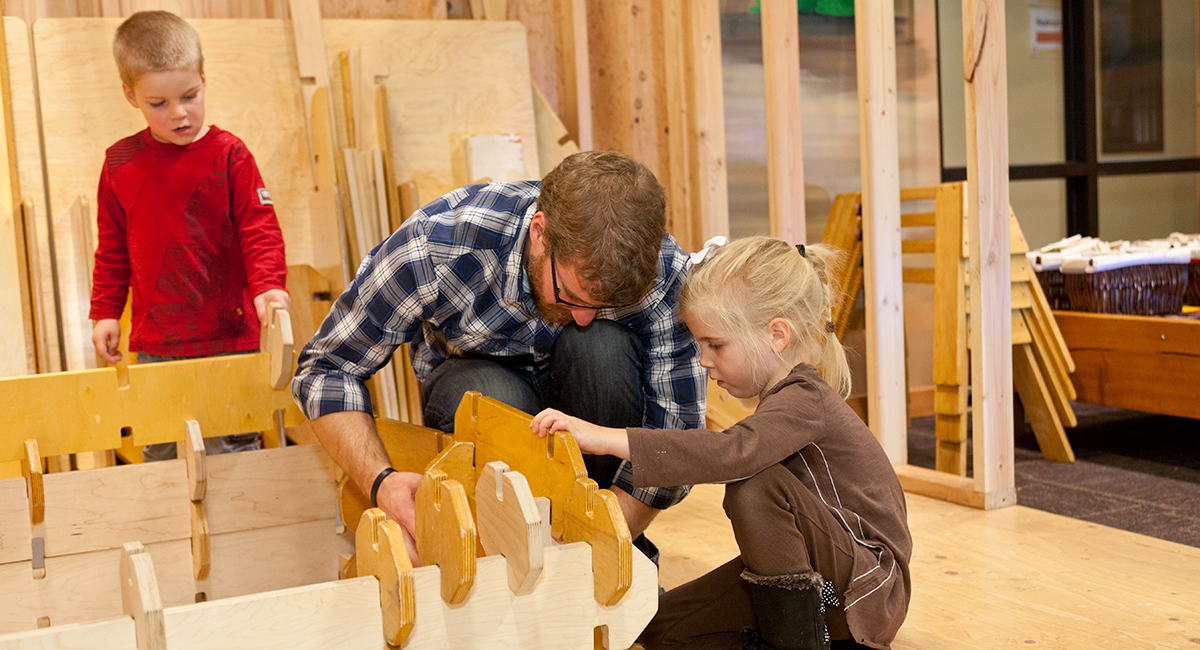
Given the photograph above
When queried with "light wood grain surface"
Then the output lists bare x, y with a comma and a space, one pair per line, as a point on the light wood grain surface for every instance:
445, 80
1013, 577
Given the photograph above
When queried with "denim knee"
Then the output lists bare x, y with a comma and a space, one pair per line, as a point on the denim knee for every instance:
596, 373
443, 390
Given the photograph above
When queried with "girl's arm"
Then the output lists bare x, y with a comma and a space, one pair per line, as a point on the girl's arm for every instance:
592, 438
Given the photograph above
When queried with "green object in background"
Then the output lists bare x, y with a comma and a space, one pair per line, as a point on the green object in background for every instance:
825, 7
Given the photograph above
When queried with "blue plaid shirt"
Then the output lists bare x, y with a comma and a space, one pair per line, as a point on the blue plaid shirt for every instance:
454, 272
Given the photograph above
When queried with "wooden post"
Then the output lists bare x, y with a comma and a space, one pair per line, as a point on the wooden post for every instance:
574, 84
986, 81
875, 38
785, 155
706, 121
17, 336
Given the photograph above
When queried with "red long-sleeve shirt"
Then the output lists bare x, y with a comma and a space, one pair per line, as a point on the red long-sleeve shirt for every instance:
193, 231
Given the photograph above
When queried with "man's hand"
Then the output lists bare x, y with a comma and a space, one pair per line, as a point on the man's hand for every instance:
267, 297
592, 438
397, 498
106, 338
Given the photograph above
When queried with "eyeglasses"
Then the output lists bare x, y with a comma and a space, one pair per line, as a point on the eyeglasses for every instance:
557, 297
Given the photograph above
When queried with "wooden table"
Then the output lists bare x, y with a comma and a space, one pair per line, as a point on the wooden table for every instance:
1142, 363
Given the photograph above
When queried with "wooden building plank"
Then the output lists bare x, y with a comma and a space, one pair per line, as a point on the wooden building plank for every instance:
104, 508
109, 634
85, 587
709, 181
572, 68
341, 614
785, 153
160, 398
259, 489
988, 218
879, 153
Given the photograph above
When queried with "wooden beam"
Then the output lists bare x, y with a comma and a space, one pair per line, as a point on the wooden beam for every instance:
986, 82
785, 153
706, 120
572, 67
875, 38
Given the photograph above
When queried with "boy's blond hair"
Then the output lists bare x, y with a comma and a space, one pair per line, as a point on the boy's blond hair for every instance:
155, 41
750, 282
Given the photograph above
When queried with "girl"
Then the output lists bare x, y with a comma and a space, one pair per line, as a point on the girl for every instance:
816, 507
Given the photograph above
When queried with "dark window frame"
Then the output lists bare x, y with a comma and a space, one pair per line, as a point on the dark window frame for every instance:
1083, 168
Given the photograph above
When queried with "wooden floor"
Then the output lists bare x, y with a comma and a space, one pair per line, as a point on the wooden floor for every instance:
1008, 578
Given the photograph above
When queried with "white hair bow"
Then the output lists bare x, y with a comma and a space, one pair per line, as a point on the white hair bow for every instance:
710, 246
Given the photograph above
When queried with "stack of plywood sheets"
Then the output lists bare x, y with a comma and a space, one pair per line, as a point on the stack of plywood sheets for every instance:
1041, 361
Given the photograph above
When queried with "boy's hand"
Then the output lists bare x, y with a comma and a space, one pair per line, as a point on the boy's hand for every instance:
592, 438
267, 297
106, 338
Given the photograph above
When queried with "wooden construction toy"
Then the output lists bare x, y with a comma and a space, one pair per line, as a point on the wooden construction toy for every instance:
218, 527
516, 587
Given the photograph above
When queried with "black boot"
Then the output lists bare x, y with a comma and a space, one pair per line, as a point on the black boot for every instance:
790, 613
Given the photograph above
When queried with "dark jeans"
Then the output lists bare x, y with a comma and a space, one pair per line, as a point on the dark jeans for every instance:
782, 529
593, 372
215, 445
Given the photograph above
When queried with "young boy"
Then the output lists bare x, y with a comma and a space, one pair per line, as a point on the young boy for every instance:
184, 219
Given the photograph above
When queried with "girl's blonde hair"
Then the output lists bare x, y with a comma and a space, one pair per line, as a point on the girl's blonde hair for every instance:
749, 282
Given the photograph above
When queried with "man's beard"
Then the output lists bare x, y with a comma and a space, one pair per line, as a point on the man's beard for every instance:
551, 312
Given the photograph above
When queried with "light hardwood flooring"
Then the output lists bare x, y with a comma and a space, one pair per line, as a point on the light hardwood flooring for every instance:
1008, 578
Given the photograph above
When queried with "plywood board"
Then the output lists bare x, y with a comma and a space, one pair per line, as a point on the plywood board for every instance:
110, 634
15, 328
14, 521
343, 614
85, 587
72, 412
259, 489
29, 166
104, 508
281, 557
560, 613
445, 80
253, 91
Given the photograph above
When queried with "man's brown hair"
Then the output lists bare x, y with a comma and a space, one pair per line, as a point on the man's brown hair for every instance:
606, 213
155, 41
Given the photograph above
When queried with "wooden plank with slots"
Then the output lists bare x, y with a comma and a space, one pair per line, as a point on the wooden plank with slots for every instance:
510, 525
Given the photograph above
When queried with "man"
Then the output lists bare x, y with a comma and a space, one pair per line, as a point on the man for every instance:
554, 294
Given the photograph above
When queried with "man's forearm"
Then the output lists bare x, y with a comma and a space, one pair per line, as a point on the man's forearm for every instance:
351, 440
637, 514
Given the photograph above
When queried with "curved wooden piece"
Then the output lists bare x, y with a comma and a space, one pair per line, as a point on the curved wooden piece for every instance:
458, 462
31, 469
510, 524
446, 533
550, 465
201, 542
140, 597
595, 517
191, 450
380, 552
277, 341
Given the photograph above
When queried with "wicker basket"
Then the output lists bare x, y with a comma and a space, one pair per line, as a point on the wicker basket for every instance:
1046, 267
1136, 284
1192, 295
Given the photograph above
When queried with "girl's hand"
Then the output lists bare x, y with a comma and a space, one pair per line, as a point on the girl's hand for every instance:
592, 439
551, 420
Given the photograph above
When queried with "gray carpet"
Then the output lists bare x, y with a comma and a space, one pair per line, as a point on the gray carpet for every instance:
1135, 471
